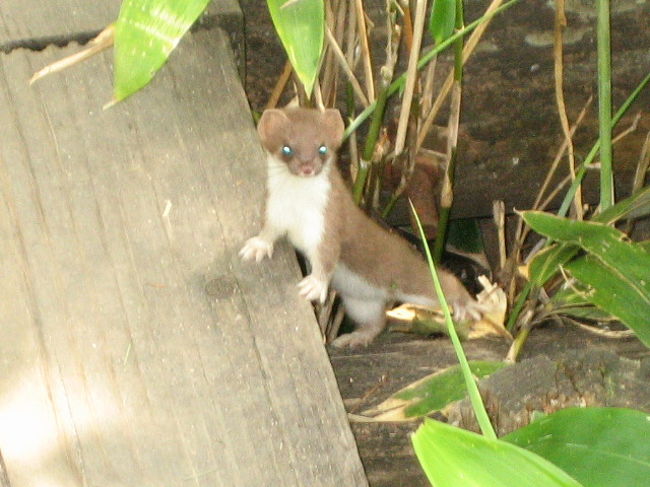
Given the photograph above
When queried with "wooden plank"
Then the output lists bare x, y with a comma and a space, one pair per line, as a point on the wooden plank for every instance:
30, 22
136, 348
35, 25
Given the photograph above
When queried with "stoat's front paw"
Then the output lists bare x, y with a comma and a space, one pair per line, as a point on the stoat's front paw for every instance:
467, 309
256, 248
358, 338
311, 288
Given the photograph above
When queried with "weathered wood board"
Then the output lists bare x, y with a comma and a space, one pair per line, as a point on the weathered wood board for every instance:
37, 23
32, 24
135, 347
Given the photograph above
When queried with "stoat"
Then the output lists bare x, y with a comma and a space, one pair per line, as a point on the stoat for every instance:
308, 201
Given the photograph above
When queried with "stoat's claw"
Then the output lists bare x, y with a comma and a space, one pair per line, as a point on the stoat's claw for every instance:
468, 310
358, 338
311, 288
256, 248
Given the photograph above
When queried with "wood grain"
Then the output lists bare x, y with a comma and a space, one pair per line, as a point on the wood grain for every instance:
135, 347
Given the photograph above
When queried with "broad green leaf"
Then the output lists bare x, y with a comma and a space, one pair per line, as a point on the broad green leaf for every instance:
548, 261
606, 243
615, 292
432, 393
586, 312
615, 271
442, 20
636, 206
300, 24
453, 457
146, 32
600, 447
572, 300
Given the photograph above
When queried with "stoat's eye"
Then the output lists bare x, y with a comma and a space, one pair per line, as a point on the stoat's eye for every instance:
322, 150
286, 150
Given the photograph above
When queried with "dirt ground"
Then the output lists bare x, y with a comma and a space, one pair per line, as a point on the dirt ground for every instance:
554, 356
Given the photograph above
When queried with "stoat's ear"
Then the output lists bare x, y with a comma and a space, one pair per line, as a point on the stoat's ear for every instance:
334, 127
271, 125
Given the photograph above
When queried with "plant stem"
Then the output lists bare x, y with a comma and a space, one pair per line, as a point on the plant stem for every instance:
605, 106
369, 147
411, 76
568, 197
519, 305
447, 193
458, 44
426, 58
472, 389
441, 233
594, 150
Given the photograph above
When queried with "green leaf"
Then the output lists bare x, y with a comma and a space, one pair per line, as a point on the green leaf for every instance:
300, 24
146, 32
440, 389
616, 272
607, 243
572, 300
615, 292
453, 457
442, 20
433, 392
636, 206
600, 447
548, 261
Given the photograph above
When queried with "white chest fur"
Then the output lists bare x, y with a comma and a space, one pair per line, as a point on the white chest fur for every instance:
295, 205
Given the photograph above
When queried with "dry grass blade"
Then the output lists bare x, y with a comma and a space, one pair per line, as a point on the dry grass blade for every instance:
526, 324
408, 25
104, 40
411, 76
280, 85
633, 126
642, 167
365, 50
522, 232
350, 38
446, 86
330, 71
318, 96
427, 88
499, 215
340, 57
392, 46
560, 24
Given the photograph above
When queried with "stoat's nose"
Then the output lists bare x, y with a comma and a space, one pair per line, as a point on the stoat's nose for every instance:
307, 170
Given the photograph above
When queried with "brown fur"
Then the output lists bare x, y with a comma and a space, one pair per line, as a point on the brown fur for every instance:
363, 255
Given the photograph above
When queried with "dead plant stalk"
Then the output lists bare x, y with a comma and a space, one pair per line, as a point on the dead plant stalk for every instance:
521, 232
560, 24
365, 50
444, 90
347, 70
411, 76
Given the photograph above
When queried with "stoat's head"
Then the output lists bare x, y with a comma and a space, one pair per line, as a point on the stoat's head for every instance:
305, 140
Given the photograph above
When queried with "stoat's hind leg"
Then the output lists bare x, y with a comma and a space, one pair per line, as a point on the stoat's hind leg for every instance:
370, 317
